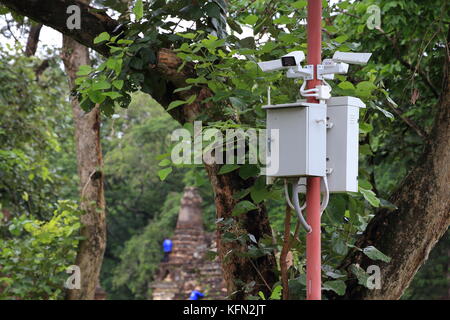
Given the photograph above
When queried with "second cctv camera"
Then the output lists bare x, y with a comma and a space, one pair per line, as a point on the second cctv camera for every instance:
291, 59
351, 57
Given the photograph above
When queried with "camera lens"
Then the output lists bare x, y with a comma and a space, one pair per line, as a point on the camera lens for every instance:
288, 61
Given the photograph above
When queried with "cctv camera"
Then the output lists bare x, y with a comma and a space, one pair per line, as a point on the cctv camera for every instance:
351, 57
287, 61
293, 58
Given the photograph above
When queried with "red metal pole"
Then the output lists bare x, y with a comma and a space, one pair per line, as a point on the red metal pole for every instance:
313, 248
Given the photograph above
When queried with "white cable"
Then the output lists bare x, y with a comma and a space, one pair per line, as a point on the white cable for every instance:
299, 209
286, 193
288, 199
327, 84
326, 198
308, 93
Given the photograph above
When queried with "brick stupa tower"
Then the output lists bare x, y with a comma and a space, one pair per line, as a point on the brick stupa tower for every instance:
188, 267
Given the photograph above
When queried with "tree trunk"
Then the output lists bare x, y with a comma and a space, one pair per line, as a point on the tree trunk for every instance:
89, 159
33, 39
409, 233
239, 270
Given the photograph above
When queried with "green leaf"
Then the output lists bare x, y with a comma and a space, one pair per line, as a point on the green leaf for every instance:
248, 170
243, 207
228, 168
87, 104
197, 80
341, 38
340, 247
175, 104
365, 127
297, 287
251, 19
299, 4
191, 99
162, 156
283, 20
104, 36
234, 25
370, 196
212, 10
360, 274
345, 85
365, 149
84, 70
182, 89
388, 205
365, 88
276, 293
337, 286
96, 96
118, 84
138, 10
25, 196
188, 35
163, 173
259, 195
365, 184
248, 42
113, 94
164, 162
241, 194
80, 80
101, 85
375, 254
178, 103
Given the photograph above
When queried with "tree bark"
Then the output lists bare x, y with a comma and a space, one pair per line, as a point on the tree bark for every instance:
240, 270
408, 234
284, 266
33, 39
89, 159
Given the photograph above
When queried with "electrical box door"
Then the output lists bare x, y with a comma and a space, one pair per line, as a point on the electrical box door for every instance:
296, 139
342, 143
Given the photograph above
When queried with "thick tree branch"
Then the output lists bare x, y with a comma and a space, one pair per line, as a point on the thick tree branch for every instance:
33, 39
93, 22
54, 14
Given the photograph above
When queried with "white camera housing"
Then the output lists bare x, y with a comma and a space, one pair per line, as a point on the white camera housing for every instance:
352, 57
289, 60
331, 67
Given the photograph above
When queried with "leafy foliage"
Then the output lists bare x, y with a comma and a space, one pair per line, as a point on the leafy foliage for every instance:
36, 254
35, 118
398, 85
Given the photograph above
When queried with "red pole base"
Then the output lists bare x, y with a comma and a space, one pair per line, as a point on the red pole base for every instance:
313, 246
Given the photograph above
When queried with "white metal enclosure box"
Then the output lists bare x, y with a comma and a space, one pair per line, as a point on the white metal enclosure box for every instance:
300, 148
342, 143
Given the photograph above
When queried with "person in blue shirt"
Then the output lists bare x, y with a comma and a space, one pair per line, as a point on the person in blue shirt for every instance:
167, 247
196, 295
